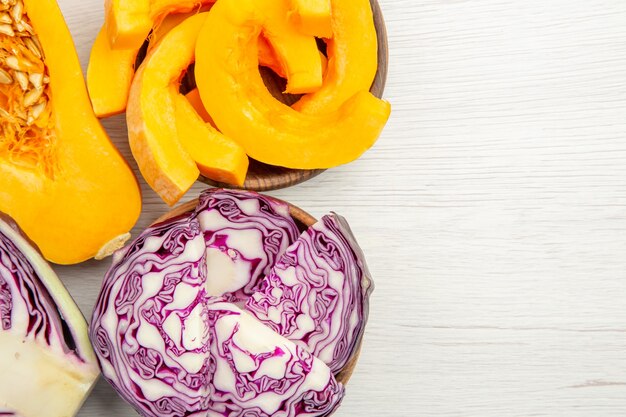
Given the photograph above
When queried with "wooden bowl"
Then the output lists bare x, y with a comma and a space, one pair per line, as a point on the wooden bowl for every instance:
263, 177
303, 220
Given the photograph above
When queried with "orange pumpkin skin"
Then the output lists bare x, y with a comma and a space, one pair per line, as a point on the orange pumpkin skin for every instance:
169, 140
83, 197
241, 106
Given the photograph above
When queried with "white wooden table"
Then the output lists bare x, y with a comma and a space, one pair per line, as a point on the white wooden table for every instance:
492, 212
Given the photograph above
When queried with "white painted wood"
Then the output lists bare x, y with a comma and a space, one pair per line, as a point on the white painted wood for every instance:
492, 211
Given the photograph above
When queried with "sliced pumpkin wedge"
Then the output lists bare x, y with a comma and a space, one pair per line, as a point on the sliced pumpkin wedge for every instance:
109, 74
235, 96
169, 140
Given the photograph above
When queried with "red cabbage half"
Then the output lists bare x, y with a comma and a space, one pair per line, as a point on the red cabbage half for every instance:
47, 366
172, 349
318, 293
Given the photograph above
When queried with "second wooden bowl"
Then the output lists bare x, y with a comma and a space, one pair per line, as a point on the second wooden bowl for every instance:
263, 177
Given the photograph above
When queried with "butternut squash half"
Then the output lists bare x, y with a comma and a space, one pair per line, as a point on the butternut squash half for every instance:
233, 93
61, 178
170, 141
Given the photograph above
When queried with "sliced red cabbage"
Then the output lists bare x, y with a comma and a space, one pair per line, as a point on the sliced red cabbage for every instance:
147, 328
47, 366
245, 234
172, 350
258, 373
317, 295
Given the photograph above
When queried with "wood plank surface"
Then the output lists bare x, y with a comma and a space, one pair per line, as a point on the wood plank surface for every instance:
492, 212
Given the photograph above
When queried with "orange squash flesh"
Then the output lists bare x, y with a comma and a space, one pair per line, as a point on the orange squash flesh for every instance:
170, 21
196, 102
296, 52
217, 157
109, 74
352, 57
85, 195
169, 140
234, 94
313, 17
164, 7
268, 58
129, 22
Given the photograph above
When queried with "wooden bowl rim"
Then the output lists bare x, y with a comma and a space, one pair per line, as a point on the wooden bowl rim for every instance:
290, 177
304, 219
296, 212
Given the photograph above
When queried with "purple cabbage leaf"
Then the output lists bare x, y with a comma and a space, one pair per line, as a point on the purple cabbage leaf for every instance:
245, 234
317, 294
